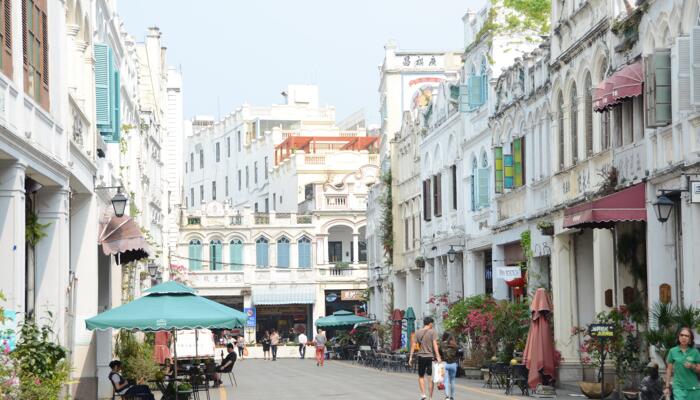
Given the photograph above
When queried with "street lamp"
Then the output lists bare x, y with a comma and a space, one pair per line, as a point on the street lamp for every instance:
119, 203
663, 207
451, 253
152, 270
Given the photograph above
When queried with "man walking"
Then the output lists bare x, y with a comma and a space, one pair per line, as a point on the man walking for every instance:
274, 342
320, 342
427, 352
302, 345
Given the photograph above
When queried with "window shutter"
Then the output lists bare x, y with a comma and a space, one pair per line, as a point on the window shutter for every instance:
236, 251
102, 85
473, 189
684, 73
438, 195
463, 98
484, 88
649, 92
283, 254
498, 170
116, 107
304, 248
7, 38
453, 169
695, 60
659, 64
484, 174
426, 200
475, 91
44, 97
508, 171
518, 170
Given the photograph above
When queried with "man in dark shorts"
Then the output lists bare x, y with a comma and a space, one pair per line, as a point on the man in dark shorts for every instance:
226, 364
427, 352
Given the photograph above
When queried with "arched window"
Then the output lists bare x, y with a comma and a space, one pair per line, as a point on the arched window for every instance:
215, 256
236, 254
574, 125
261, 250
604, 116
485, 79
195, 255
283, 252
560, 103
304, 249
475, 170
588, 113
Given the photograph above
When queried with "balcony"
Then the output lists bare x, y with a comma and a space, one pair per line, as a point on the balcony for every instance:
262, 219
336, 202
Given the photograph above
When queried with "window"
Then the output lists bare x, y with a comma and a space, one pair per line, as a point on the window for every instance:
226, 186
256, 207
437, 194
201, 193
215, 259
304, 250
405, 233
561, 131
266, 168
107, 94
475, 169
267, 205
274, 201
247, 177
191, 161
617, 120
195, 255
574, 125
588, 113
228, 146
238, 139
213, 190
426, 200
201, 158
453, 169
6, 37
261, 248
255, 172
236, 254
605, 130
218, 152
283, 252
192, 197
36, 52
240, 182
413, 231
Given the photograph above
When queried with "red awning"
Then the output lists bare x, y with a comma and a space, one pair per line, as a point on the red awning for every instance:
121, 236
626, 205
622, 85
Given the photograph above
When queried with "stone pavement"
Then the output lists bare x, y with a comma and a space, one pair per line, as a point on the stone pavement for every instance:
296, 379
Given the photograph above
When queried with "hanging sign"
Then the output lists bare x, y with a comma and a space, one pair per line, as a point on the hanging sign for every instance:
601, 330
508, 273
695, 191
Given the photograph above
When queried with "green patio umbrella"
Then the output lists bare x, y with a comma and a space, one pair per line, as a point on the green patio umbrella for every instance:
410, 317
340, 318
170, 305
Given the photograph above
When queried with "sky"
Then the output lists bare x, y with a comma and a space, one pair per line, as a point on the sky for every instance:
232, 51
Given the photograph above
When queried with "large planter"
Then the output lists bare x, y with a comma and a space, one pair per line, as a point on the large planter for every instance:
472, 373
592, 389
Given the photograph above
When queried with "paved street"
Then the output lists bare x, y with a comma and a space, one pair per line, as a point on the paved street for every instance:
296, 379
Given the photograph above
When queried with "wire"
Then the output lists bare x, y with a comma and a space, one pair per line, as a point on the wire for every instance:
248, 265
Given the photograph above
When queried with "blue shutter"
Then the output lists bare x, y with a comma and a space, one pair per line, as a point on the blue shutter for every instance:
215, 261
304, 247
116, 106
475, 91
463, 98
283, 254
473, 188
484, 88
508, 167
236, 253
102, 85
195, 255
261, 254
484, 175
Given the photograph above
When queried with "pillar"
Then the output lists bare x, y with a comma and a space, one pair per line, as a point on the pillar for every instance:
355, 248
500, 289
12, 234
321, 253
603, 266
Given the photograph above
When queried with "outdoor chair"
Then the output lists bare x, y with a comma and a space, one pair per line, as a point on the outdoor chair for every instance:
232, 375
518, 378
498, 375
200, 383
361, 354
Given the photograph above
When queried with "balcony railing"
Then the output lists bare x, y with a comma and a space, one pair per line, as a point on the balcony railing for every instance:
303, 219
237, 220
262, 219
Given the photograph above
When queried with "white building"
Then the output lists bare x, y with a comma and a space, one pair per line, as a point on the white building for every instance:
275, 211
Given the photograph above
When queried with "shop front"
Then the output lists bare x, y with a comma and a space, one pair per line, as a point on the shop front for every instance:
289, 310
349, 300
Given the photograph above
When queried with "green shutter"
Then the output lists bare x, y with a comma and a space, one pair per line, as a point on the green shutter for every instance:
662, 80
498, 170
518, 161
473, 189
484, 175
195, 256
102, 85
116, 107
236, 253
508, 171
484, 88
475, 91
463, 98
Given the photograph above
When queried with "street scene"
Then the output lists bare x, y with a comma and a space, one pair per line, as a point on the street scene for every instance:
476, 199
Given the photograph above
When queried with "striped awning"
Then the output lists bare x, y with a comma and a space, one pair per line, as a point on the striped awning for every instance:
277, 295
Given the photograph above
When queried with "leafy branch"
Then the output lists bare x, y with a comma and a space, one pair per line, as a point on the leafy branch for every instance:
387, 234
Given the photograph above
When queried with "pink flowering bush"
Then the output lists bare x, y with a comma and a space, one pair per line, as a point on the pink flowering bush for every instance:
179, 273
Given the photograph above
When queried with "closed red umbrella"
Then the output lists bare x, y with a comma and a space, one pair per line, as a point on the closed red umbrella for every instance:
539, 350
396, 316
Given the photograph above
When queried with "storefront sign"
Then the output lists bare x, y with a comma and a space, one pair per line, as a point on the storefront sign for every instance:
280, 310
250, 312
601, 330
695, 191
331, 297
508, 273
352, 295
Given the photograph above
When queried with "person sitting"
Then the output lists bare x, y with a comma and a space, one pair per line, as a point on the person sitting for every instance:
123, 388
652, 387
226, 365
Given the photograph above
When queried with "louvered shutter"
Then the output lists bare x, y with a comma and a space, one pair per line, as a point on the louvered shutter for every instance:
7, 38
44, 96
116, 104
463, 98
427, 198
283, 254
473, 189
649, 93
484, 175
684, 87
236, 253
498, 170
475, 91
261, 254
508, 171
102, 87
304, 248
484, 88
438, 195
695, 69
453, 170
518, 170
657, 88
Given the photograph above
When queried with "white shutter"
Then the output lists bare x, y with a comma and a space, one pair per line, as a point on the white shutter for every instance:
695, 61
684, 73
649, 93
463, 98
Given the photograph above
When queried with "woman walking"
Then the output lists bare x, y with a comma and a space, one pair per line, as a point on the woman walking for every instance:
683, 366
266, 345
448, 352
320, 343
274, 342
240, 343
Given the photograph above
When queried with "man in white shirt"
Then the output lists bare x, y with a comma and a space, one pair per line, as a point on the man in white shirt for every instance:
302, 339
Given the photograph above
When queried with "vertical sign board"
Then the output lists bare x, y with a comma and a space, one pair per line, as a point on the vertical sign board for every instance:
695, 192
250, 312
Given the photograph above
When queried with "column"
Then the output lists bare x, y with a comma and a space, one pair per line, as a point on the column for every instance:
52, 257
355, 248
12, 234
500, 289
413, 290
455, 281
603, 267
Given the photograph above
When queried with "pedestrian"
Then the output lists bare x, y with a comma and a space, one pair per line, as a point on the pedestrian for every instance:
302, 339
320, 343
123, 388
274, 342
652, 386
427, 352
448, 352
266, 345
226, 365
240, 343
683, 365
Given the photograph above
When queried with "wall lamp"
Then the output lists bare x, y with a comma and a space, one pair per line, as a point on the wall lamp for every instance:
663, 206
451, 253
118, 201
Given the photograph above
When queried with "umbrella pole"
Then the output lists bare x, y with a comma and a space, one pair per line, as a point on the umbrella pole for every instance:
175, 361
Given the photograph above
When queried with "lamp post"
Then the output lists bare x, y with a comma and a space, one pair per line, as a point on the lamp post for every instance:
118, 201
663, 207
152, 269
451, 253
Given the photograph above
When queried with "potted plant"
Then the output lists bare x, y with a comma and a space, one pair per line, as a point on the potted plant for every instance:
420, 262
546, 228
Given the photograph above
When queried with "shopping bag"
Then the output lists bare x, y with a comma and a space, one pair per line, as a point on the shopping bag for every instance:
438, 372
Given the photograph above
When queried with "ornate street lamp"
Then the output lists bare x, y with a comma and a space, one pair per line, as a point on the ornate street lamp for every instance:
119, 203
663, 207
152, 270
451, 253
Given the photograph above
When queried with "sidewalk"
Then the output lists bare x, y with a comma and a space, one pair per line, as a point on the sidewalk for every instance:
568, 392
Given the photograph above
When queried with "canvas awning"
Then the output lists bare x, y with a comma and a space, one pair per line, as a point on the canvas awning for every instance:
623, 84
625, 205
284, 295
121, 237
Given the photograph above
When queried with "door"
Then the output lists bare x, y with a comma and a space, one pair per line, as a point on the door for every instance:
335, 252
